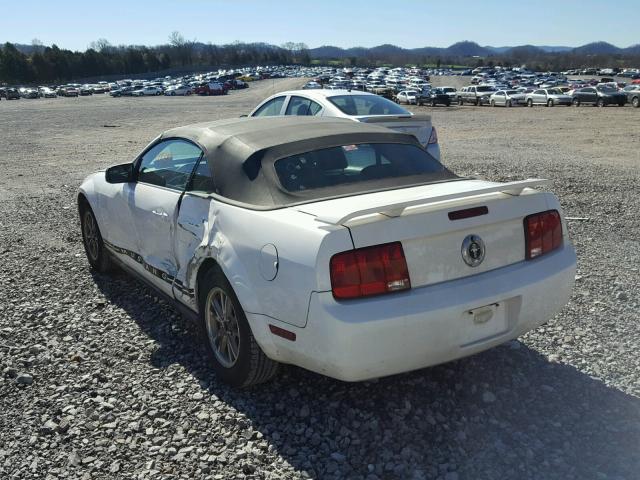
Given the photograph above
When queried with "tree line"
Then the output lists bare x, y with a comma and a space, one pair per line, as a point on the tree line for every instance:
53, 64
44, 64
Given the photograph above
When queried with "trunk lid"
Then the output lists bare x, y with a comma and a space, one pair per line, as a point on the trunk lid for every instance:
419, 218
416, 125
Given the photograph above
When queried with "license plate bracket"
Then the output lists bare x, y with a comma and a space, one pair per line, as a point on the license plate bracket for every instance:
482, 323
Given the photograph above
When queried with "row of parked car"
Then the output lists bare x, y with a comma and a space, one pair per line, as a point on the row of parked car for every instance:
124, 88
211, 83
600, 95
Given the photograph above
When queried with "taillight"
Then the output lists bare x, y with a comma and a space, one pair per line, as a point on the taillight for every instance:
369, 271
433, 138
542, 233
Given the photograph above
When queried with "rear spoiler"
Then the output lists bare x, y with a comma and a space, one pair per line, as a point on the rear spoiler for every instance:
395, 209
394, 118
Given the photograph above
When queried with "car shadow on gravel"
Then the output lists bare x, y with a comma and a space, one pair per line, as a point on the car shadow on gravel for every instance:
506, 413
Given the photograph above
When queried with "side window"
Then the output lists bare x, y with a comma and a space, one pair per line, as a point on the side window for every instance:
539, 92
169, 164
314, 108
302, 106
271, 108
202, 180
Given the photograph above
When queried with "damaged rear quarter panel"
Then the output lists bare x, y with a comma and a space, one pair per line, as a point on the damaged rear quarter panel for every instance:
234, 236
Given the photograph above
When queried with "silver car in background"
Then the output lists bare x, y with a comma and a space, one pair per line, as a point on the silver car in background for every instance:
507, 98
549, 97
356, 106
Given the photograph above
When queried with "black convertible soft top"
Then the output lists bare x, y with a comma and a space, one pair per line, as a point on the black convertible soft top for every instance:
241, 153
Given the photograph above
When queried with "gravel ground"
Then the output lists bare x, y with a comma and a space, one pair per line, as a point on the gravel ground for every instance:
100, 379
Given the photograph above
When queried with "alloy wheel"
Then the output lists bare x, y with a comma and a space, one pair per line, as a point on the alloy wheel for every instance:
91, 235
222, 325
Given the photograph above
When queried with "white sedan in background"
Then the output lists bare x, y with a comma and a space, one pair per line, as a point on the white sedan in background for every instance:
507, 98
174, 90
337, 246
409, 97
357, 106
147, 91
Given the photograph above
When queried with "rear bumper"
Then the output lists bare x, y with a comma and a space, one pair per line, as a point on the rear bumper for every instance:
375, 337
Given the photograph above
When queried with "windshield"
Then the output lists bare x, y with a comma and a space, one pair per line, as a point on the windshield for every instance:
484, 89
366, 105
606, 88
512, 92
554, 91
350, 164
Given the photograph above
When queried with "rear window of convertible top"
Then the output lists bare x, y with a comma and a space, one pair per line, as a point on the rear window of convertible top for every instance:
348, 164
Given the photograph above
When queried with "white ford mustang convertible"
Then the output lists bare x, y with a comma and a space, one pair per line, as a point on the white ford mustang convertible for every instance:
338, 246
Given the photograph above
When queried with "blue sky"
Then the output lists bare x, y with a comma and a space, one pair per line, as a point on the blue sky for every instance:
75, 24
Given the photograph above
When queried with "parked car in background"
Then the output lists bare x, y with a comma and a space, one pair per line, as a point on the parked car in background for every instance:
174, 90
311, 86
147, 91
356, 106
122, 92
68, 91
12, 94
237, 84
549, 97
348, 250
29, 93
46, 92
408, 97
507, 98
599, 95
85, 90
210, 88
476, 95
633, 94
433, 97
452, 92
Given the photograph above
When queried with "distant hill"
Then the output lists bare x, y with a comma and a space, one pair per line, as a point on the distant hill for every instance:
597, 48
632, 50
466, 49
470, 49
544, 48
26, 49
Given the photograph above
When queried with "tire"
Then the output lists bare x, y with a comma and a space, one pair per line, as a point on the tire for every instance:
508, 104
576, 102
600, 103
460, 102
173, 93
550, 102
97, 254
529, 103
447, 103
478, 102
635, 102
247, 365
492, 103
433, 104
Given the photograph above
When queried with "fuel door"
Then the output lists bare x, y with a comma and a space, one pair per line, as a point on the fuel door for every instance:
269, 262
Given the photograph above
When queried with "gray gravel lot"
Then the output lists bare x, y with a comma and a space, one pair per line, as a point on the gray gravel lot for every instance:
100, 379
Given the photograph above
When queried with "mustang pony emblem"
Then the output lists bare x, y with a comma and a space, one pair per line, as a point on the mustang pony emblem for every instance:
473, 250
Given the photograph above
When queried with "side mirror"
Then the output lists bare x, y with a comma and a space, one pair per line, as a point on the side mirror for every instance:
120, 173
